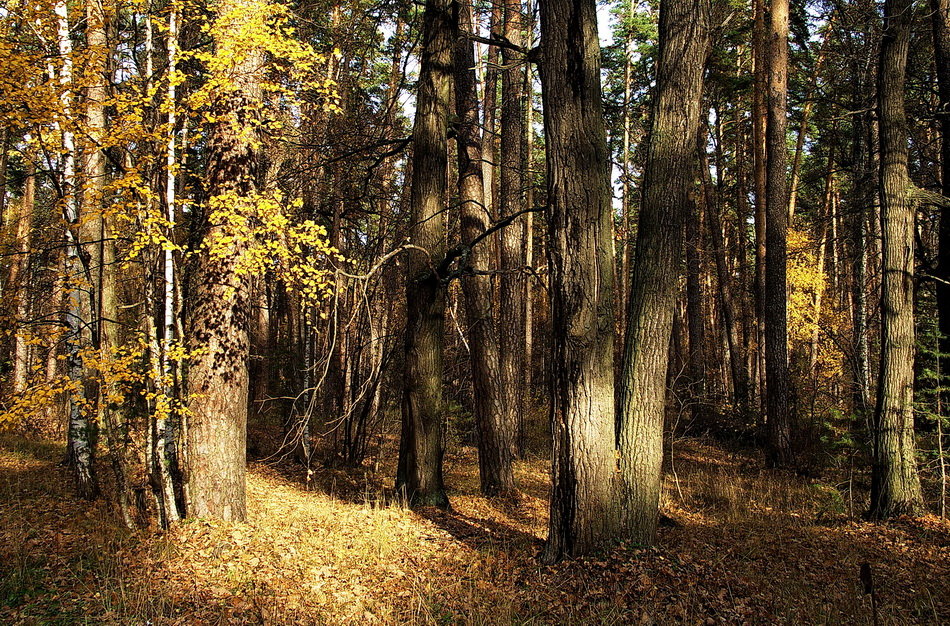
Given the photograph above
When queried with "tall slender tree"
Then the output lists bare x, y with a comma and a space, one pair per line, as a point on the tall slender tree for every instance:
494, 452
895, 485
775, 309
668, 178
511, 238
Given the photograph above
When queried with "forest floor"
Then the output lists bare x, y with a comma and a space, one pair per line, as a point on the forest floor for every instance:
741, 545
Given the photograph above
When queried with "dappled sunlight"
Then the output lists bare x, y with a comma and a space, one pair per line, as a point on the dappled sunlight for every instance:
742, 545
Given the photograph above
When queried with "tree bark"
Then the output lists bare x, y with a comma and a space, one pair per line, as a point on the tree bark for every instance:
584, 507
940, 20
511, 238
759, 119
668, 178
419, 473
494, 453
81, 445
778, 385
895, 485
218, 375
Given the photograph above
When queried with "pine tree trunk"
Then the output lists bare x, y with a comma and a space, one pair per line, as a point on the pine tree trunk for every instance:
940, 19
759, 183
584, 506
778, 385
494, 451
19, 272
419, 473
668, 178
895, 485
511, 237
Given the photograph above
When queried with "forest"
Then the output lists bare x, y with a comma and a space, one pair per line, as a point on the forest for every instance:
474, 311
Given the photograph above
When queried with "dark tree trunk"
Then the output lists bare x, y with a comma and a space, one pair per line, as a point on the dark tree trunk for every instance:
419, 473
584, 506
695, 322
668, 177
940, 17
862, 194
494, 452
511, 238
759, 184
895, 486
778, 386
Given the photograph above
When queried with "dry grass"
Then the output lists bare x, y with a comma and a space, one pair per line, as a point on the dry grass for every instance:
745, 546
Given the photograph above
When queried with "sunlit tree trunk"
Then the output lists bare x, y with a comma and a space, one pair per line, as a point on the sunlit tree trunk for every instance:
81, 429
778, 386
668, 177
218, 376
895, 485
19, 272
584, 506
419, 473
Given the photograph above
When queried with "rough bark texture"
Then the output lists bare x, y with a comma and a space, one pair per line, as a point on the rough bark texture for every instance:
494, 453
511, 238
695, 322
490, 147
940, 19
218, 376
775, 309
668, 175
759, 184
583, 497
895, 486
420, 452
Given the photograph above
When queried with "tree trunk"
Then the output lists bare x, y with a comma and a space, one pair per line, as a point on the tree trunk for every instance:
419, 473
511, 238
584, 507
18, 276
489, 132
494, 452
668, 178
81, 430
218, 375
895, 486
778, 385
759, 183
940, 17
695, 322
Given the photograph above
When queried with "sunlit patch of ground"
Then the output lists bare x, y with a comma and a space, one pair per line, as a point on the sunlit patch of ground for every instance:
741, 545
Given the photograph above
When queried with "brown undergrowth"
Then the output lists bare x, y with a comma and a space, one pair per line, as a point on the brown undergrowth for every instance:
740, 545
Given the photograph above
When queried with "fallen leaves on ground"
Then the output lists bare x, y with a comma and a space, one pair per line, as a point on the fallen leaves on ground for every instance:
740, 546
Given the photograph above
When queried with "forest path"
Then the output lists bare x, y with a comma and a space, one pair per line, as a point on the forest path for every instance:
742, 546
